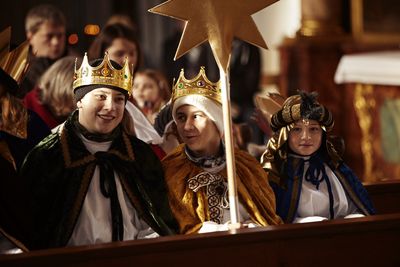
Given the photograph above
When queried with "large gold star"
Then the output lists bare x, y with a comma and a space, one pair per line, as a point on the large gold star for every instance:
217, 21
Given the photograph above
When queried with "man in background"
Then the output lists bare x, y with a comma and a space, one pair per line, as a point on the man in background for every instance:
45, 28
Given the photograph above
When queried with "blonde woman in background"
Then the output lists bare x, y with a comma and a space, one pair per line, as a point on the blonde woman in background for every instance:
53, 97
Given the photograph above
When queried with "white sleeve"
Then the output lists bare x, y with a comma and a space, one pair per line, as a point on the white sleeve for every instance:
209, 226
309, 219
145, 231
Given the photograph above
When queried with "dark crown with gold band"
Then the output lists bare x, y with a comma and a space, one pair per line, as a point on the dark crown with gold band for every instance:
14, 63
103, 74
199, 85
302, 106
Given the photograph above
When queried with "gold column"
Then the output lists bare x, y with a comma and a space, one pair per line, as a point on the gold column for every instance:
364, 103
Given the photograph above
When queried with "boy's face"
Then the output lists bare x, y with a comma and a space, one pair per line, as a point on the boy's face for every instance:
101, 110
305, 137
197, 131
48, 41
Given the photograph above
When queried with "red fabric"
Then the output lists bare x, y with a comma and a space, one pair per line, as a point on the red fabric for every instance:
31, 101
159, 151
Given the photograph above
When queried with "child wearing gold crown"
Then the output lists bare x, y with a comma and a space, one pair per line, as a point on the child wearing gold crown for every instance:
195, 172
93, 181
310, 180
20, 131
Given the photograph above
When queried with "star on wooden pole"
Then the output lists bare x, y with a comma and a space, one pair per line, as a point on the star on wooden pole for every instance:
215, 21
218, 22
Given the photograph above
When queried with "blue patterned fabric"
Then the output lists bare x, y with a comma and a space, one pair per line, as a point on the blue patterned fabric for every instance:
287, 191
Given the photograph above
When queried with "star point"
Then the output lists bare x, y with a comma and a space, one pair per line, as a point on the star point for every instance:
215, 21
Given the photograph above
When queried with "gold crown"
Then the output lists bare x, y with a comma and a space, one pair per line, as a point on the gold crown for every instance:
103, 74
14, 63
199, 85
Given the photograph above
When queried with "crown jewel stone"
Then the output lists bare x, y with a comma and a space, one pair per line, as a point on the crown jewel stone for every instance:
199, 85
103, 74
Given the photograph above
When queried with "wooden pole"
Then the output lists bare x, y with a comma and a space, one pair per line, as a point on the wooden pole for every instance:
229, 149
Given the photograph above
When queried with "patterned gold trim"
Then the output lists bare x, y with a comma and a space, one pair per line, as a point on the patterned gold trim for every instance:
216, 199
295, 113
291, 113
286, 114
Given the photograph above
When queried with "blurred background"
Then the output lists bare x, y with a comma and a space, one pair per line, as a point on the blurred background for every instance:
85, 19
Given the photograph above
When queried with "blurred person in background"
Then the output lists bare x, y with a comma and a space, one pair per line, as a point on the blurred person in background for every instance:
122, 19
120, 42
151, 91
45, 28
53, 98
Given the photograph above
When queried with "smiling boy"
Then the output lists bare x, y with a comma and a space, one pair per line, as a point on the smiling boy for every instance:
93, 181
195, 171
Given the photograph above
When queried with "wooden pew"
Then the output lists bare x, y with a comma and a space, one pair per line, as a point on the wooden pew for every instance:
385, 195
369, 241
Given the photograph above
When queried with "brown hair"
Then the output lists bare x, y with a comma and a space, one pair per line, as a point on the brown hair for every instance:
41, 14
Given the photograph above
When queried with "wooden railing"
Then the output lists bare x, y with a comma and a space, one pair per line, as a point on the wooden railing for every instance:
369, 241
385, 196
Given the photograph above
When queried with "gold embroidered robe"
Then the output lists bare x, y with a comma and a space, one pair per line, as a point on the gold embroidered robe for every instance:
191, 209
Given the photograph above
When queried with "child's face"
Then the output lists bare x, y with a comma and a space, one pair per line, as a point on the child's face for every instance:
197, 131
305, 137
145, 91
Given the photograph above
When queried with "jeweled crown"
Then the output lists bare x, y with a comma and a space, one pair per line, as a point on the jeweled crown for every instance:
103, 74
199, 85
